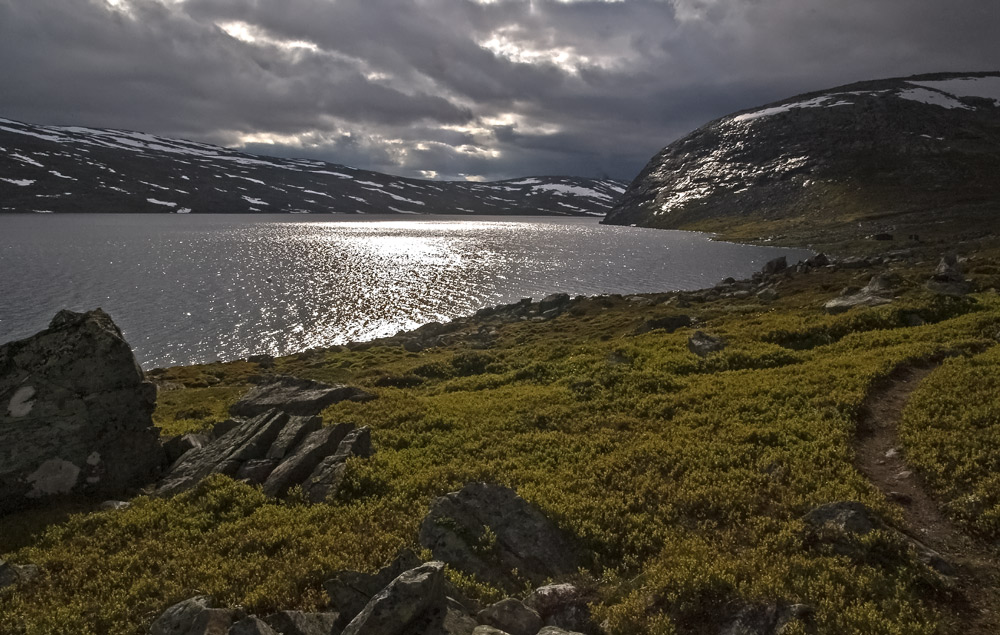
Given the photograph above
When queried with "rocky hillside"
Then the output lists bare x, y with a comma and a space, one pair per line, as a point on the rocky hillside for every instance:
893, 155
73, 169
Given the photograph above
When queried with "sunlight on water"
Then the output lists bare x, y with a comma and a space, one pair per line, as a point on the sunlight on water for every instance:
199, 288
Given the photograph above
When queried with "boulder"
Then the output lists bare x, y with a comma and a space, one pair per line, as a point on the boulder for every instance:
252, 625
400, 603
326, 478
562, 605
768, 294
877, 292
511, 616
291, 435
491, 532
553, 301
849, 517
668, 323
350, 591
445, 618
703, 344
485, 629
555, 630
12, 574
75, 413
948, 278
194, 616
294, 396
765, 620
777, 265
304, 459
227, 454
819, 260
300, 623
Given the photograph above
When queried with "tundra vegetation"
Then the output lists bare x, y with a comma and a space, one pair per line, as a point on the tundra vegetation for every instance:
684, 478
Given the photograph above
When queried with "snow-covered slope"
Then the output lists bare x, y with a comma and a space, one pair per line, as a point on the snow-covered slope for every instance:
73, 169
892, 150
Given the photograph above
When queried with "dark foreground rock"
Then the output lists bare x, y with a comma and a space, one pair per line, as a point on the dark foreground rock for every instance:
13, 574
75, 413
195, 616
491, 532
948, 278
406, 597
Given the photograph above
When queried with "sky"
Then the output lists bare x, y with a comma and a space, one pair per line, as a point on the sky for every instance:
460, 89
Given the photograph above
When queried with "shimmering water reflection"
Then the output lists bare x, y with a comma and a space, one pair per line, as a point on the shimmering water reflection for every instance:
188, 289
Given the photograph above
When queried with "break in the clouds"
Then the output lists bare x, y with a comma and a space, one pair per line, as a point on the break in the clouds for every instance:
459, 88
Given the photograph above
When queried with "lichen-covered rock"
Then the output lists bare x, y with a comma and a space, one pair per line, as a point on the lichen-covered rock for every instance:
75, 413
512, 616
491, 532
849, 517
396, 606
194, 616
176, 447
295, 396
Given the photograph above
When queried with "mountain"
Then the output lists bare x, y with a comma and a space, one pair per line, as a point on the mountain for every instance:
893, 155
73, 169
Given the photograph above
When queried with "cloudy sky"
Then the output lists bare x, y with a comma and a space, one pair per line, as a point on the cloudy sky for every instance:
460, 88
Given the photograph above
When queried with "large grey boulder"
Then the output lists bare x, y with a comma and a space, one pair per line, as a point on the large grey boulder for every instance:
295, 396
194, 616
400, 603
489, 531
878, 291
75, 413
328, 475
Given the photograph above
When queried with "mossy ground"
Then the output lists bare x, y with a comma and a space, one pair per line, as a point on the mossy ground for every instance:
684, 478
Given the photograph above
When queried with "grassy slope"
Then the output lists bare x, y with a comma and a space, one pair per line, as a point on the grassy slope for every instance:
685, 478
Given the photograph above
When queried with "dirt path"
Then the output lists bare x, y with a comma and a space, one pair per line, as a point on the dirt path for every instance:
879, 457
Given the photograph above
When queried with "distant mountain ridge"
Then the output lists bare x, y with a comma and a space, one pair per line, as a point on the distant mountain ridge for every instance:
75, 169
875, 155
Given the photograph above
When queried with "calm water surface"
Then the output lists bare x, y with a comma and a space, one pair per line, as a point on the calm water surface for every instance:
188, 289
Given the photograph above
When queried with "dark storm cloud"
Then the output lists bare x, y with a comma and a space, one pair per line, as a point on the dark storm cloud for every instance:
458, 87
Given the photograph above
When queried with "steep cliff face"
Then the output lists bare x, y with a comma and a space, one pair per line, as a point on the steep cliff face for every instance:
889, 152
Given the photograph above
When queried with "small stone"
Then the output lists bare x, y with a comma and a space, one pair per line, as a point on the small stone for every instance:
194, 616
301, 623
905, 474
899, 498
115, 505
892, 453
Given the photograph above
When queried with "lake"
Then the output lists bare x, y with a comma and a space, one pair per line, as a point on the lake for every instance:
195, 288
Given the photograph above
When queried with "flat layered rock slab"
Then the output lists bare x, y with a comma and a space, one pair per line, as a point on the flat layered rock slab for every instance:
302, 397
